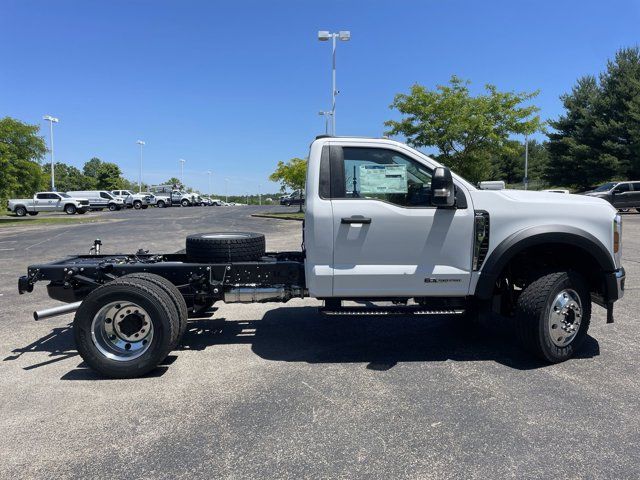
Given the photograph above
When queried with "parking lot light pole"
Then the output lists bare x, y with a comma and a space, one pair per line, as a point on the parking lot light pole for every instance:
259, 194
526, 162
182, 160
323, 36
141, 143
209, 175
51, 121
226, 190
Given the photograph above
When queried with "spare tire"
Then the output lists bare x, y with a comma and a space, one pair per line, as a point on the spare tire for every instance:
221, 247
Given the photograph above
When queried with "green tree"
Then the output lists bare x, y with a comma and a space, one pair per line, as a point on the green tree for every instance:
109, 177
467, 131
618, 123
91, 167
510, 167
598, 137
292, 174
172, 181
70, 178
21, 150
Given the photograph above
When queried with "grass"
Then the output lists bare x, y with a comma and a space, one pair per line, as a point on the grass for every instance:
281, 215
12, 221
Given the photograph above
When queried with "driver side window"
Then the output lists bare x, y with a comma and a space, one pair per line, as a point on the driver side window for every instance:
623, 187
383, 174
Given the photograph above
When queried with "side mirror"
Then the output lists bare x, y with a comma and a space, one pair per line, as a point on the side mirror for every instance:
442, 190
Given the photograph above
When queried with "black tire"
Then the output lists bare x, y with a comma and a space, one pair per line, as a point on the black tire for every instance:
185, 203
33, 214
287, 204
174, 294
163, 316
137, 204
160, 204
20, 211
144, 207
113, 207
221, 247
533, 310
70, 209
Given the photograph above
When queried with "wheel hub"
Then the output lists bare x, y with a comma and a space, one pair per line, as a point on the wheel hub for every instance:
122, 331
565, 317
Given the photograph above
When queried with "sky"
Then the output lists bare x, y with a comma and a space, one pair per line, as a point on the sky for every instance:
234, 87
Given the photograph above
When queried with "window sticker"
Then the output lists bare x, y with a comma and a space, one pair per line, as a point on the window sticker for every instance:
383, 179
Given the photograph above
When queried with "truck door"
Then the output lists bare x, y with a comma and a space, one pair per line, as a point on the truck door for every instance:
46, 202
622, 195
388, 240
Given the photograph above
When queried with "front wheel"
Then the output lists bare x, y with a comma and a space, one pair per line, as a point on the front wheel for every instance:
137, 204
553, 315
160, 204
184, 203
70, 209
113, 207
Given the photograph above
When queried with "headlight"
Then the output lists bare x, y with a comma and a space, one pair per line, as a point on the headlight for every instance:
617, 240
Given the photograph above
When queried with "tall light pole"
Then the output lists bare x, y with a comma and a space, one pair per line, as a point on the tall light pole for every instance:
209, 174
141, 143
259, 194
182, 160
327, 116
526, 162
51, 121
226, 190
323, 36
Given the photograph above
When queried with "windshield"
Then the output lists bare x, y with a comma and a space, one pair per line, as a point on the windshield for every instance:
606, 187
64, 195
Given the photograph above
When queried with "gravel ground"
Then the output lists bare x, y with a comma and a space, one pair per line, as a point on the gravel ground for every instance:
277, 391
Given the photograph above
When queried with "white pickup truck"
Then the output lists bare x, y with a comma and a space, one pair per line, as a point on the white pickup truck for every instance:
385, 226
48, 202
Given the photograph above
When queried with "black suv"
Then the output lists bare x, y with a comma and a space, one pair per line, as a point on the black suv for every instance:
622, 195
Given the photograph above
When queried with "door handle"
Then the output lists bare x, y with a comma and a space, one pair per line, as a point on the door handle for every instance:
356, 219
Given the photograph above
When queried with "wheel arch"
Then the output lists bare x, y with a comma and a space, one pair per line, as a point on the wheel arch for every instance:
582, 245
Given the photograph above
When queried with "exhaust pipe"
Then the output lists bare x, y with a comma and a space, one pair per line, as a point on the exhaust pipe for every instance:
257, 294
55, 311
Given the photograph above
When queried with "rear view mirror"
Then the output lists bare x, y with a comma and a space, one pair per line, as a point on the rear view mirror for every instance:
442, 194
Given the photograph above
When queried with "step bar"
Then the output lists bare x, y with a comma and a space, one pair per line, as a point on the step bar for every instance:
391, 310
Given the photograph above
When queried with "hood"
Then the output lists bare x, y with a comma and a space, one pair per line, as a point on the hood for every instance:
550, 198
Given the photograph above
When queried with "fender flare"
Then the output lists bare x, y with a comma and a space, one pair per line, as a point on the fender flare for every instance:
529, 237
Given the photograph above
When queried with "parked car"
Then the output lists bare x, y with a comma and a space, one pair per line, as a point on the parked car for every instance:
133, 200
622, 195
294, 198
384, 223
99, 199
48, 202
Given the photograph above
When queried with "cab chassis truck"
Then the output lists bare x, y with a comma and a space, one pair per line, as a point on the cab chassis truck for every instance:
384, 224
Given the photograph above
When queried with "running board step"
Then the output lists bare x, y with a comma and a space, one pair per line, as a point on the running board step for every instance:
394, 310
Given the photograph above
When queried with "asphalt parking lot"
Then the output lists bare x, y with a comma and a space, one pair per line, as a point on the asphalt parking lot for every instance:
275, 390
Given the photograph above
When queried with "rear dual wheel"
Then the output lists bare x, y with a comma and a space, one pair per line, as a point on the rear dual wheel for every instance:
127, 327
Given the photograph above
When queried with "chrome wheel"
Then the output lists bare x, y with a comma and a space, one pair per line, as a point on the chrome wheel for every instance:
122, 331
565, 317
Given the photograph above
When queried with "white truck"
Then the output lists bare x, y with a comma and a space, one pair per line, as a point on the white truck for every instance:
137, 201
385, 226
176, 196
48, 202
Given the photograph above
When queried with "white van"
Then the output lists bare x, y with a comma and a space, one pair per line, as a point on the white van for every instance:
99, 199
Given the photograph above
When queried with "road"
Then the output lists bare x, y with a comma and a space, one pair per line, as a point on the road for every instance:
277, 391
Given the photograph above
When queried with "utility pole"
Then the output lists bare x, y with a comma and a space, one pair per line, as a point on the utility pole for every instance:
51, 121
323, 36
141, 143
182, 160
259, 194
209, 173
526, 162
226, 190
